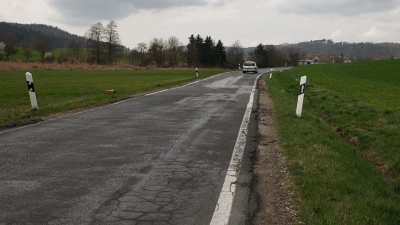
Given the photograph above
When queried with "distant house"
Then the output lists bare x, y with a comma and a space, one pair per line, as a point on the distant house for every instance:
306, 62
316, 59
346, 60
311, 59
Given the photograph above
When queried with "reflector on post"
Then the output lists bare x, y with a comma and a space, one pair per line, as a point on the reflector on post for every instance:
300, 98
31, 89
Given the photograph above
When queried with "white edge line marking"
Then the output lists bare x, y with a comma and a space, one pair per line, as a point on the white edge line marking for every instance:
223, 208
110, 104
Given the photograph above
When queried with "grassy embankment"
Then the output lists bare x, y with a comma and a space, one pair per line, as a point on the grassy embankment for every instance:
60, 91
343, 153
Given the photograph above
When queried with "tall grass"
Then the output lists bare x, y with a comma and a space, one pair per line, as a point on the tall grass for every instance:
30, 66
36, 56
60, 91
343, 152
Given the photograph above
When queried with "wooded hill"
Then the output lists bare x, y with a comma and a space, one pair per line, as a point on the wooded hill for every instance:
354, 51
27, 34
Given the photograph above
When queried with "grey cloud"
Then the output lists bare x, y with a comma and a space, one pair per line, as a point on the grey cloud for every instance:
164, 4
77, 11
339, 7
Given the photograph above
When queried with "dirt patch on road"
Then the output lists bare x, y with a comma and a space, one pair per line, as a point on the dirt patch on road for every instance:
269, 202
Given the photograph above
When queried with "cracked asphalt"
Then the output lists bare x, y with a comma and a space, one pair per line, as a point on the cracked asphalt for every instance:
156, 159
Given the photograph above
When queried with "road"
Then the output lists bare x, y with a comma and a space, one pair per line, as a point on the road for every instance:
155, 159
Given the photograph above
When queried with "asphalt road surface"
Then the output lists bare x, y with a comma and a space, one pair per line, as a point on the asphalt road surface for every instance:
156, 159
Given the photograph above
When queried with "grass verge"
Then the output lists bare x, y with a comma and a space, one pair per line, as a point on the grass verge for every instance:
343, 152
60, 91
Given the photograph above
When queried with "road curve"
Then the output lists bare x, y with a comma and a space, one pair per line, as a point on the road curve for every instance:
156, 159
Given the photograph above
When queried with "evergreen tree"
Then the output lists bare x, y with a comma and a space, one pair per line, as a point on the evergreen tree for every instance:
199, 44
260, 56
204, 52
192, 57
220, 54
208, 52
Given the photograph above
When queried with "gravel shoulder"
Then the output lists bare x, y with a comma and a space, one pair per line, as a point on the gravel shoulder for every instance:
269, 202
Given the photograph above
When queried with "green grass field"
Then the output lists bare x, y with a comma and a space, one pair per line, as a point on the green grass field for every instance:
343, 152
59, 91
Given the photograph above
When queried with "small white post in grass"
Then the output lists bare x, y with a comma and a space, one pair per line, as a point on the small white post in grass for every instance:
270, 75
239, 66
197, 72
300, 98
31, 90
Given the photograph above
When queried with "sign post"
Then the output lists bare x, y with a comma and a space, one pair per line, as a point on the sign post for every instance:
300, 98
31, 90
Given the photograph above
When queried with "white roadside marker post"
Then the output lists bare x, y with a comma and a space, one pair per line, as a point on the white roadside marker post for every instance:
300, 98
197, 72
31, 90
270, 75
239, 66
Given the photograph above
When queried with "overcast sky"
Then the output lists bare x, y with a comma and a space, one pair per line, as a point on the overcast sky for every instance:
249, 21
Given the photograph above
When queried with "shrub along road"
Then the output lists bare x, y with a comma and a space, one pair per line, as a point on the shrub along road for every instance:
160, 158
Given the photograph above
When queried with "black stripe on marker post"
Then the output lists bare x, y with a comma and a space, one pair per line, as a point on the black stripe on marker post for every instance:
302, 89
30, 86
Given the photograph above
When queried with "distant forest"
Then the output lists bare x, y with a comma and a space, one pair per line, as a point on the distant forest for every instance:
27, 34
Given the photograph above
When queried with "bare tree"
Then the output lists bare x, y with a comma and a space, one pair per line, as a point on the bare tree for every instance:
26, 51
133, 57
75, 50
42, 45
112, 40
11, 41
94, 39
157, 50
173, 50
235, 55
294, 58
141, 48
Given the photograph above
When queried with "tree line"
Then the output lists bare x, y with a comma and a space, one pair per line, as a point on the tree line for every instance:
272, 56
103, 46
355, 51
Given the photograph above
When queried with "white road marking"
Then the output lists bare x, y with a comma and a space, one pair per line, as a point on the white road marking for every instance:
224, 206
